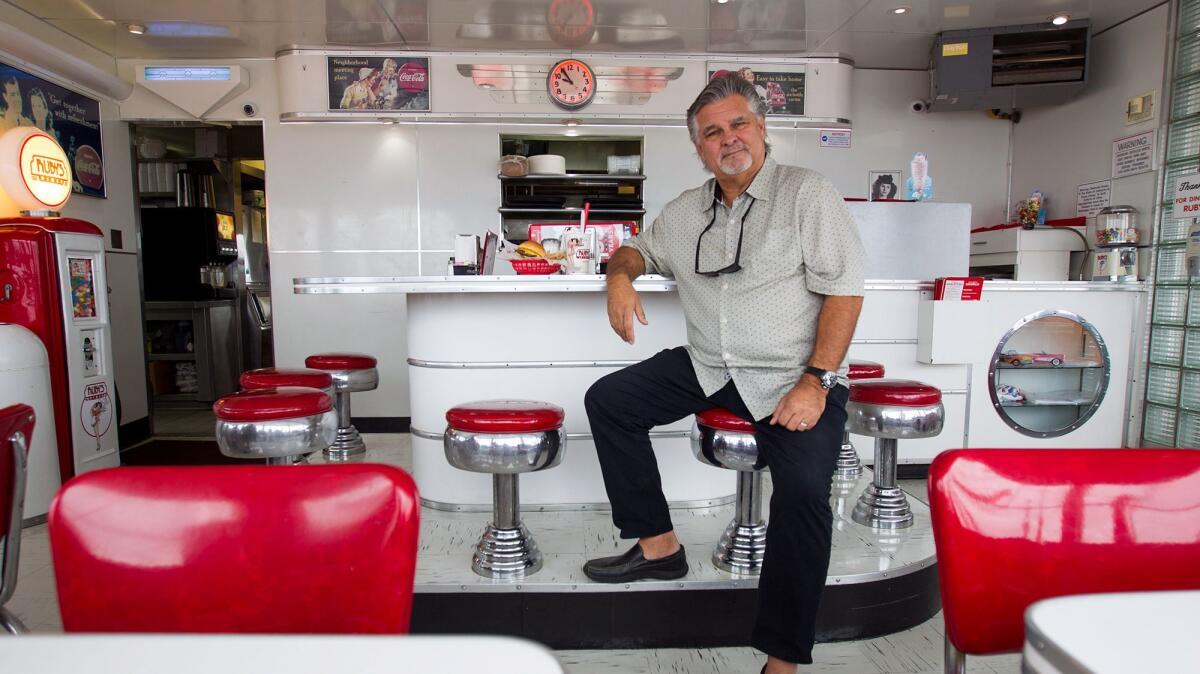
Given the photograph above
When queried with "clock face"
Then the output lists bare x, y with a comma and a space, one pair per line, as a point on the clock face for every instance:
571, 23
572, 84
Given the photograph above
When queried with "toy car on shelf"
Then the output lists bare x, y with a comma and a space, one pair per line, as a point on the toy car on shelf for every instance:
1023, 359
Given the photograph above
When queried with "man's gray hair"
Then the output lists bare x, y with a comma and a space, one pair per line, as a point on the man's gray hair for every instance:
718, 89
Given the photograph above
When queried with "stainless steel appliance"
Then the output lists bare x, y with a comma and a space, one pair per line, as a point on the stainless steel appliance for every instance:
252, 279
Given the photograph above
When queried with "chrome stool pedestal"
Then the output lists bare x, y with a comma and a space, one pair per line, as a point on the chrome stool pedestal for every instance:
723, 440
890, 410
848, 464
505, 438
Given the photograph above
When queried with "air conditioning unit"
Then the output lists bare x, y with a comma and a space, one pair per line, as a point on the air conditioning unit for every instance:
1009, 67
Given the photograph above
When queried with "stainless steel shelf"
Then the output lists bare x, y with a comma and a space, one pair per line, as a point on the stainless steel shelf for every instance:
1048, 403
628, 211
575, 176
1064, 366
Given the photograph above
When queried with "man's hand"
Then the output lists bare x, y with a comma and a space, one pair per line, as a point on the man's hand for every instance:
802, 407
623, 305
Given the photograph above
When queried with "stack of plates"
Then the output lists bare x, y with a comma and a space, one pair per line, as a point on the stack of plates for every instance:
548, 164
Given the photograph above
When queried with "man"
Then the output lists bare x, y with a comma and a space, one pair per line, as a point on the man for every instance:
769, 270
11, 115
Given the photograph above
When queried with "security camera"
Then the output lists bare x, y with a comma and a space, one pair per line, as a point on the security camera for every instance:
918, 105
249, 110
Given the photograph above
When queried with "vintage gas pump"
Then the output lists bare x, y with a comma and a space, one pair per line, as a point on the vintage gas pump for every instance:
53, 282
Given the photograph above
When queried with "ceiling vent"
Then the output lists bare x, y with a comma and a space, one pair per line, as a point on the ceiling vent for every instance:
1010, 66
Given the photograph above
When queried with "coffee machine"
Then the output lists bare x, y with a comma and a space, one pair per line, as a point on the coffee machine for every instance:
185, 252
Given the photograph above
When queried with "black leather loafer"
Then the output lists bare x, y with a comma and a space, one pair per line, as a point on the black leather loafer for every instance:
633, 566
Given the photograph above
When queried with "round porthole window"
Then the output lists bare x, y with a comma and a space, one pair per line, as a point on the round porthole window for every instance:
1049, 374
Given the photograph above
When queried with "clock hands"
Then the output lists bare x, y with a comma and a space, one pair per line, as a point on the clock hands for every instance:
568, 78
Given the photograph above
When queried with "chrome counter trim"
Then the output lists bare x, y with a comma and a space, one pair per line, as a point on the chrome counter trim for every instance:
519, 364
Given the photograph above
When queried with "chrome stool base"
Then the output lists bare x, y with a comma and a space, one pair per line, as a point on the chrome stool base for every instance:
347, 444
506, 553
741, 548
883, 508
848, 464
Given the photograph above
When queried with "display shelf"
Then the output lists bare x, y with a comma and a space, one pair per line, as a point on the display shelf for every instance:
570, 176
572, 209
1047, 366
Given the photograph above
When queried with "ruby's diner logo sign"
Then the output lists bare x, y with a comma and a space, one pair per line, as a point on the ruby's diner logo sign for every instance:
34, 170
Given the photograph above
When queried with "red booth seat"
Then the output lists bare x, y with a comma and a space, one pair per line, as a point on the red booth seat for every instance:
310, 549
1013, 526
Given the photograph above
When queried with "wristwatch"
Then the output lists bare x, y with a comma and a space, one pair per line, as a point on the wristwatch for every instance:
828, 379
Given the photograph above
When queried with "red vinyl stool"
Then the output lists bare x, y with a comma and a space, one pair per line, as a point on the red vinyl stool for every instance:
16, 430
274, 377
849, 467
352, 373
725, 440
890, 410
505, 438
281, 425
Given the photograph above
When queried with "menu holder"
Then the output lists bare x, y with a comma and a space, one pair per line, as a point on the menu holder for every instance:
487, 258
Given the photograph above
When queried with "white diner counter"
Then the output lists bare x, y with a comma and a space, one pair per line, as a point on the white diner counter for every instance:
548, 338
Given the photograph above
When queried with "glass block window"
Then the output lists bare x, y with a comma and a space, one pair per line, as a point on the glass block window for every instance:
1171, 416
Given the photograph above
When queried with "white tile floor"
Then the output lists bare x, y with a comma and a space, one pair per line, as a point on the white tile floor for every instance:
917, 650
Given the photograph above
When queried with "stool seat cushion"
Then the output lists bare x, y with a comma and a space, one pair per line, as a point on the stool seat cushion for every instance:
273, 404
271, 377
505, 416
894, 392
340, 361
722, 419
864, 369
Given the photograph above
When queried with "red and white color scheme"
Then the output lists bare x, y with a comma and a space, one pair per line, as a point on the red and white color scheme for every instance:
53, 281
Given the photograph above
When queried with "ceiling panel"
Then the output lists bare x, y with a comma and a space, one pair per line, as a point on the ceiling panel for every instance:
865, 30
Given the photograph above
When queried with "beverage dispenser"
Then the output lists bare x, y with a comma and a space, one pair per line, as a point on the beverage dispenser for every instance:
53, 282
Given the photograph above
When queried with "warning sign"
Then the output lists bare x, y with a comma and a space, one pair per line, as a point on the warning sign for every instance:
96, 411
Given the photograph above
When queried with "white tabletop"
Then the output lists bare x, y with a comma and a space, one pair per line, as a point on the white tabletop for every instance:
1125, 632
300, 654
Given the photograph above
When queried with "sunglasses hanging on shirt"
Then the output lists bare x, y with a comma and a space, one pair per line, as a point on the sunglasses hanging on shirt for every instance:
737, 256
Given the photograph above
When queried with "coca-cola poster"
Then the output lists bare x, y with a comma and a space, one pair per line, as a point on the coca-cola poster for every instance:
378, 83
70, 118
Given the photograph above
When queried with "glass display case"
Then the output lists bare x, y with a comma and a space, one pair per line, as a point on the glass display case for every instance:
1049, 374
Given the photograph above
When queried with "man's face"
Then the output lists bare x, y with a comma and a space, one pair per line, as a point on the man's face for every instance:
12, 96
732, 139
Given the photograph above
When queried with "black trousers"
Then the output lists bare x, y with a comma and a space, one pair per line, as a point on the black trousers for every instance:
622, 408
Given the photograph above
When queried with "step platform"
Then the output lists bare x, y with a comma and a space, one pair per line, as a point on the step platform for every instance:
879, 582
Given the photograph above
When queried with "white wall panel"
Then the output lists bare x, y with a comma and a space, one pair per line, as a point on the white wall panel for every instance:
459, 192
1061, 147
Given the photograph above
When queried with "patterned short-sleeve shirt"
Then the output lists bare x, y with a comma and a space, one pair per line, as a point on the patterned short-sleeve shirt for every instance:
757, 325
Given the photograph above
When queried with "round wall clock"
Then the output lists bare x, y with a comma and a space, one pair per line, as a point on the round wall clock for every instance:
571, 23
571, 84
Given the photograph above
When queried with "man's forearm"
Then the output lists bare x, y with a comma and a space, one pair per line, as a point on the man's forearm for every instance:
625, 264
835, 329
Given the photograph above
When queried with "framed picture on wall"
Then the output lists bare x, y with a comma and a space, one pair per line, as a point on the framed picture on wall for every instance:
884, 184
395, 83
779, 85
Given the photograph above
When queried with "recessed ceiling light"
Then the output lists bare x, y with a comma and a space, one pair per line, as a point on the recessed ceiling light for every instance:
901, 10
572, 122
721, 2
136, 28
1060, 19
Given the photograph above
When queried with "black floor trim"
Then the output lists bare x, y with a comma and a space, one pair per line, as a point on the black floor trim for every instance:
133, 432
572, 620
381, 424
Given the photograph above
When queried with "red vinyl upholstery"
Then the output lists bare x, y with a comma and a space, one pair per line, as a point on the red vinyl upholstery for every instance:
13, 420
505, 416
311, 549
270, 377
722, 419
895, 392
1015, 526
864, 369
273, 404
340, 361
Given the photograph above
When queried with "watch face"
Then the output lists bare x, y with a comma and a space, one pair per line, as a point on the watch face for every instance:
829, 379
571, 23
571, 84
